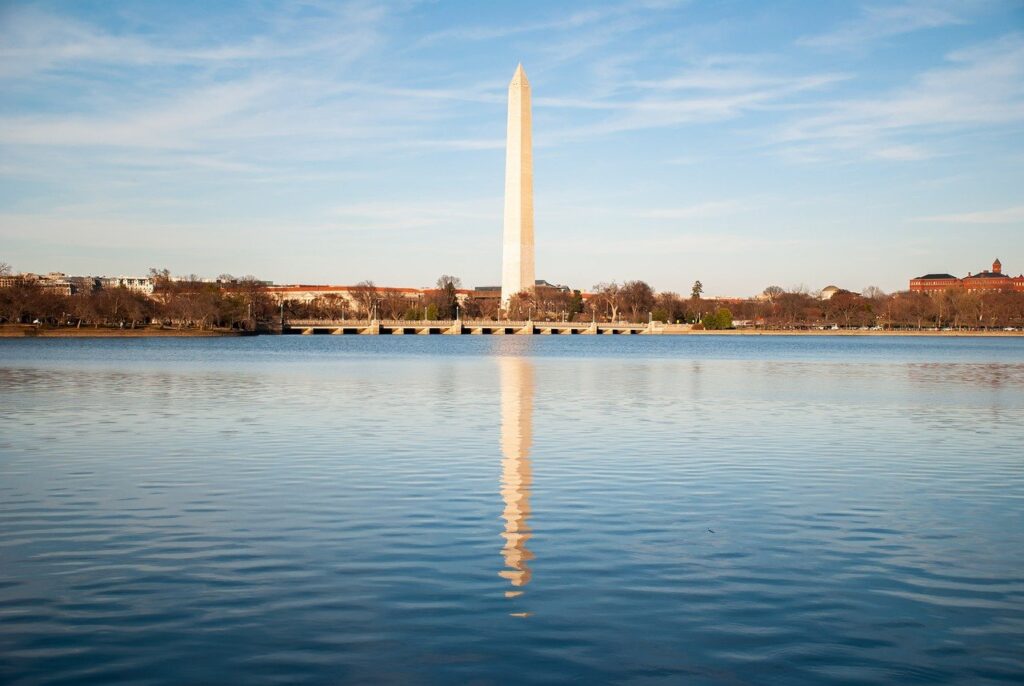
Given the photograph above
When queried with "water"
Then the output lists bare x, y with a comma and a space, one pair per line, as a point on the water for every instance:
705, 510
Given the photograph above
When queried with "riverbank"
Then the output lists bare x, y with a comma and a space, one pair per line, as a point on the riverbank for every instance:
30, 331
828, 332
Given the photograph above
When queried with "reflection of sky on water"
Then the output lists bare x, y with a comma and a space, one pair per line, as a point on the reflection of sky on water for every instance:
332, 507
226, 353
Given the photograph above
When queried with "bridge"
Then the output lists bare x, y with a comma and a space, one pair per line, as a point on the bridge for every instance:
457, 327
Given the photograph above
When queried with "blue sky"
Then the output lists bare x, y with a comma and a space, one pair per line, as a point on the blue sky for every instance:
740, 143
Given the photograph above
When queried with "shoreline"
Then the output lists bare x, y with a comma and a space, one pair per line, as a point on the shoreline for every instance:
784, 332
29, 331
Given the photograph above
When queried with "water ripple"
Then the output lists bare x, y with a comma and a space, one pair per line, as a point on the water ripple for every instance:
436, 511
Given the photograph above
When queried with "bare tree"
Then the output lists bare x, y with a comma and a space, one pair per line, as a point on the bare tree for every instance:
394, 303
873, 293
332, 306
521, 305
482, 308
920, 307
793, 307
552, 302
447, 296
845, 305
669, 307
83, 308
254, 297
366, 295
609, 297
159, 275
490, 308
966, 308
163, 286
18, 301
638, 298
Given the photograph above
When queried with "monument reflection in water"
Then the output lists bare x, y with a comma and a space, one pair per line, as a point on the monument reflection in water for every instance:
516, 475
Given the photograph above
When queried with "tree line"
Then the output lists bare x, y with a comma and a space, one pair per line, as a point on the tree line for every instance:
955, 308
778, 308
189, 302
366, 300
244, 304
636, 301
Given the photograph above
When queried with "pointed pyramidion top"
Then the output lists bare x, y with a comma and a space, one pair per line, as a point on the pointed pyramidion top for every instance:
520, 76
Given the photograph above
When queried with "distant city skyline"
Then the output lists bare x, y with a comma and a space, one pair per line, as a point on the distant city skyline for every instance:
744, 145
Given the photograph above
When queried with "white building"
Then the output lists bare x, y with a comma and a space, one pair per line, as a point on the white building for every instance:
137, 284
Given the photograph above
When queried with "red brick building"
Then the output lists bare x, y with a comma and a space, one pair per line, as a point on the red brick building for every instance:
994, 280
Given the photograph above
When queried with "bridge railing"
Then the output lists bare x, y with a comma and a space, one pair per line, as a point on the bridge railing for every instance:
350, 323
409, 323
472, 323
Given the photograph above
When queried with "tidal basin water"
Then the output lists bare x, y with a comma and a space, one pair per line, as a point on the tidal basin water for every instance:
426, 510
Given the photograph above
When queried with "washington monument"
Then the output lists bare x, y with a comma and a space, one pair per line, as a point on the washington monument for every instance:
517, 272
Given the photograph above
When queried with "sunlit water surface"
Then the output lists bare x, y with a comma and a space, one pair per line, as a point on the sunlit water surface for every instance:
512, 510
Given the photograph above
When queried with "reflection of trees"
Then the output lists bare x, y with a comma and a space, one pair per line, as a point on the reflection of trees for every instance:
967, 376
516, 475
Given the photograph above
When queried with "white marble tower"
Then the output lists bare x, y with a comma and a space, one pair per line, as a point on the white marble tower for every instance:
517, 268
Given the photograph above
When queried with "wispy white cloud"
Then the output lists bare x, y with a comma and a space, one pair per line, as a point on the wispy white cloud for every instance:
489, 32
239, 125
689, 243
384, 216
173, 124
712, 88
979, 86
1008, 215
590, 17
655, 104
718, 79
902, 152
879, 21
698, 211
684, 160
33, 40
459, 144
234, 90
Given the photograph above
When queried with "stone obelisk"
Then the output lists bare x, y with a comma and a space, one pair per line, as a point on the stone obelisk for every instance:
517, 271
